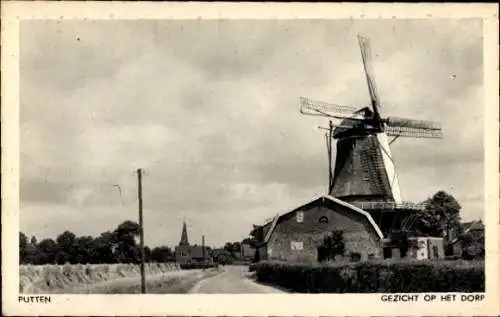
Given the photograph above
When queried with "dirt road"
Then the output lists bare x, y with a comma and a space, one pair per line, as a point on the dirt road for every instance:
233, 280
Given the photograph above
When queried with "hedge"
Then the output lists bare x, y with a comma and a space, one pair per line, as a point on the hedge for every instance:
401, 276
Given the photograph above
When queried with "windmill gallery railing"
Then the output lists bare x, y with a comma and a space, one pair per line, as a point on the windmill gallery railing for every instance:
383, 205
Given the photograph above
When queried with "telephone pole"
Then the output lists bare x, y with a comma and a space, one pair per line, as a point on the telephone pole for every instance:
141, 231
203, 251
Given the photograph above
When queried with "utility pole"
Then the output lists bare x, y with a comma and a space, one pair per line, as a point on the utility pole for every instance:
203, 250
203, 245
141, 231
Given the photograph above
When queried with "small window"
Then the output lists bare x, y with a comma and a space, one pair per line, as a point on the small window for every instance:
323, 219
297, 245
300, 216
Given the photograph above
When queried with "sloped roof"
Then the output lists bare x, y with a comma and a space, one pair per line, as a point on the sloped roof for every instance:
334, 200
472, 225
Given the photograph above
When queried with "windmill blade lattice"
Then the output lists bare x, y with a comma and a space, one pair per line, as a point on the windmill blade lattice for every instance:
313, 107
413, 132
413, 128
364, 44
411, 123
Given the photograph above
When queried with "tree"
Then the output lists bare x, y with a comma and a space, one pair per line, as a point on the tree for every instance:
441, 217
23, 245
128, 230
104, 246
232, 248
256, 236
110, 247
333, 244
248, 241
27, 251
229, 247
161, 254
83, 251
222, 257
65, 245
45, 252
236, 247
472, 246
147, 254
127, 250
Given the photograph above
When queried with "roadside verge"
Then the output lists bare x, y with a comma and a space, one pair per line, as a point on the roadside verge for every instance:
196, 287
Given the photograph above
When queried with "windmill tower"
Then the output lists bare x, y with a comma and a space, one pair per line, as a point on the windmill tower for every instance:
364, 173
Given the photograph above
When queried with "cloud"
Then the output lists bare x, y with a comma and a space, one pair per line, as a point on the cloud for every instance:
209, 109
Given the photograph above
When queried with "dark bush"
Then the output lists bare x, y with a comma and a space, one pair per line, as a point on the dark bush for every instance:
252, 267
355, 257
333, 244
401, 276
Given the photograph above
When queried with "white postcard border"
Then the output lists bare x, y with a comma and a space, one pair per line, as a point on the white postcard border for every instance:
255, 305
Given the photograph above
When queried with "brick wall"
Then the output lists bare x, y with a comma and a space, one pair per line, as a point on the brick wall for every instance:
359, 235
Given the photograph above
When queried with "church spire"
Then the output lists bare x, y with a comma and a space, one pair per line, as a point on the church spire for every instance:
184, 235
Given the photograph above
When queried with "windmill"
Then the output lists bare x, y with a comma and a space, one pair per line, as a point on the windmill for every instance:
364, 172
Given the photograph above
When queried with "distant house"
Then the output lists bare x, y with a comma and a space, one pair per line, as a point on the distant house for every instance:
221, 256
247, 252
298, 234
237, 256
472, 234
186, 253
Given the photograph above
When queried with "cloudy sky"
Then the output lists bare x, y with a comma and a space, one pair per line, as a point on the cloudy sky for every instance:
209, 109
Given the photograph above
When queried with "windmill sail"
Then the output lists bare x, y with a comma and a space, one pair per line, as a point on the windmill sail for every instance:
413, 128
413, 133
420, 124
365, 48
390, 168
319, 108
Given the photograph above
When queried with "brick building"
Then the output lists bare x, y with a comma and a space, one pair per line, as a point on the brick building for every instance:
296, 235
475, 231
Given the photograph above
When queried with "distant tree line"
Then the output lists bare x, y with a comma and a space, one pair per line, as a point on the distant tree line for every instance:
118, 246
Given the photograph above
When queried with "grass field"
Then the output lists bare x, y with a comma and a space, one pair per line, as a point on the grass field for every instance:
107, 278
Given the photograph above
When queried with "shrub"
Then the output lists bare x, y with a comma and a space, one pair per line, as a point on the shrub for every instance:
355, 257
394, 276
333, 244
253, 267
